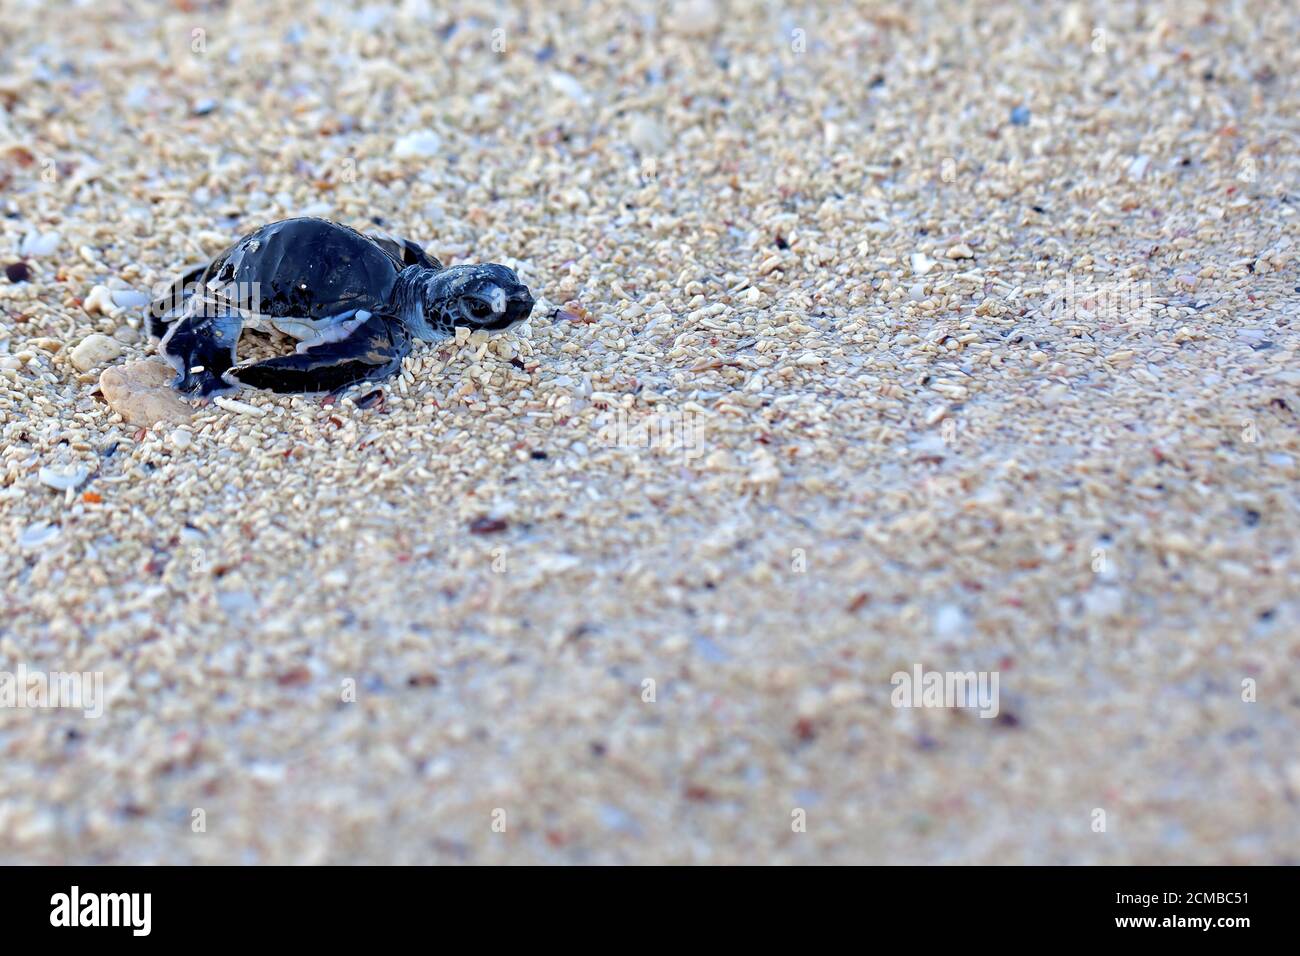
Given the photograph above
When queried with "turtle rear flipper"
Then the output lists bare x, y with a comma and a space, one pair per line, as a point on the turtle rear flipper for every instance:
201, 345
372, 348
165, 309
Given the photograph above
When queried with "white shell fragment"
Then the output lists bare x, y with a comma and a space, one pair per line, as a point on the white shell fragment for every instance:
419, 145
38, 535
63, 479
36, 244
241, 408
99, 301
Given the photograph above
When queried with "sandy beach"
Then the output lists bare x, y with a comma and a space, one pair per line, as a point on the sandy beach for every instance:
871, 340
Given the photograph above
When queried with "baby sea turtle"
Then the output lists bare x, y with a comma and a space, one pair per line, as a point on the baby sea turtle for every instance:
355, 303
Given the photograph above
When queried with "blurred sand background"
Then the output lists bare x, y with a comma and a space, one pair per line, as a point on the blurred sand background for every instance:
978, 320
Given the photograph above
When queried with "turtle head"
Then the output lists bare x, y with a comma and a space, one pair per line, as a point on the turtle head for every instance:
486, 296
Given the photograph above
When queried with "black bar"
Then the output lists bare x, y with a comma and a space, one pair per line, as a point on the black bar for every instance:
335, 905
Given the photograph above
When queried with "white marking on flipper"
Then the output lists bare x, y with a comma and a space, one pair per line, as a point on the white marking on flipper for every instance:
336, 332
176, 361
308, 330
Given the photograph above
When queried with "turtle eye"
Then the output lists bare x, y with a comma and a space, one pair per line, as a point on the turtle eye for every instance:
479, 309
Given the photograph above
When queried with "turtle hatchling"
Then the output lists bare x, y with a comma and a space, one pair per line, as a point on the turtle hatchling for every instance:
354, 302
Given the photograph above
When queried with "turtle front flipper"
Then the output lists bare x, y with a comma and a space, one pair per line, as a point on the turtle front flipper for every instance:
202, 348
403, 251
372, 348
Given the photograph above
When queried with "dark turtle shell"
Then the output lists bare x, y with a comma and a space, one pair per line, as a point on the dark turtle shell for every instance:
305, 268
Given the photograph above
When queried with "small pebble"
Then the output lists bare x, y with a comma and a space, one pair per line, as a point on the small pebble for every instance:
486, 525
570, 87
141, 393
130, 298
94, 351
420, 145
949, 621
695, 18
647, 135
